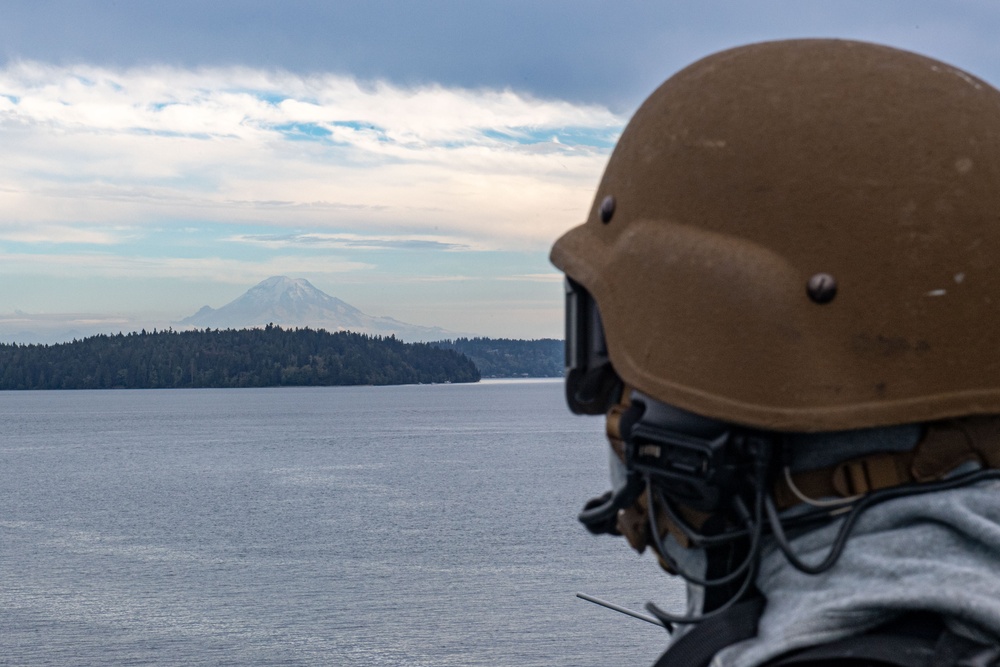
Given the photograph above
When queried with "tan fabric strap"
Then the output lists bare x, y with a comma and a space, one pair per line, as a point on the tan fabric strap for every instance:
945, 446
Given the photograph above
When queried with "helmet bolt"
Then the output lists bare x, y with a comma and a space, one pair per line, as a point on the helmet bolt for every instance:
822, 287
607, 209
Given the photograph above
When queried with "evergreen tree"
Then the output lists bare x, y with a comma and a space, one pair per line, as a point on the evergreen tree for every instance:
507, 358
232, 358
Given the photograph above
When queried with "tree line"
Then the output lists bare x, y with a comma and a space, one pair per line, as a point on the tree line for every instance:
510, 358
267, 357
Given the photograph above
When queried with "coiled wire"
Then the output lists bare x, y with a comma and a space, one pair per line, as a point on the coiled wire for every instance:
766, 517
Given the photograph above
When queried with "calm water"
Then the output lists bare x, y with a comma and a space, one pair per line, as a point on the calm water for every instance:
423, 525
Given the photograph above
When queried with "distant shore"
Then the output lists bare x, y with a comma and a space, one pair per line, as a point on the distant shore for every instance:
268, 357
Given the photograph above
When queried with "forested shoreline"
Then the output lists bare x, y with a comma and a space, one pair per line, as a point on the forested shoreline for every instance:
267, 357
511, 358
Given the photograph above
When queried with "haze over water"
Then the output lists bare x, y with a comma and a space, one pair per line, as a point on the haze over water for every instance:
417, 525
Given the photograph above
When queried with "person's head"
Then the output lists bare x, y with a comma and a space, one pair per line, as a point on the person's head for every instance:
796, 237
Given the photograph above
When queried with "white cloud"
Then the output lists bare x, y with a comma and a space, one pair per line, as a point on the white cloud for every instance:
87, 147
536, 277
213, 269
59, 233
352, 241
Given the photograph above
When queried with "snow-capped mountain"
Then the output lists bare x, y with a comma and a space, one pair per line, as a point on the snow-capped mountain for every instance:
290, 302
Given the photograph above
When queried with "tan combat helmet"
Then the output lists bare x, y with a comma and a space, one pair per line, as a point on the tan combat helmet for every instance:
803, 235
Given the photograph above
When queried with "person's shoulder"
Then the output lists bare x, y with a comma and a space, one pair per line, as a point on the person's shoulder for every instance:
913, 640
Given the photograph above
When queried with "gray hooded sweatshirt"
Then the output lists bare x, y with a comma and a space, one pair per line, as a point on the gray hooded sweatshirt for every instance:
936, 552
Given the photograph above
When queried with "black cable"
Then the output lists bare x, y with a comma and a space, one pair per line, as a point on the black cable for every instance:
753, 528
764, 505
750, 563
870, 500
665, 617
786, 548
700, 539
703, 540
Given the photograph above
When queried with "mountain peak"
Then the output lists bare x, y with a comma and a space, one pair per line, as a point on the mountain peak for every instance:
295, 302
282, 283
291, 290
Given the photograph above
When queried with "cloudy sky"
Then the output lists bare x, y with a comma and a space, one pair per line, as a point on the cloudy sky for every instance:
414, 158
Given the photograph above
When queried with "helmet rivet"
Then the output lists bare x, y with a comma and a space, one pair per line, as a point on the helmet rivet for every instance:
822, 287
607, 209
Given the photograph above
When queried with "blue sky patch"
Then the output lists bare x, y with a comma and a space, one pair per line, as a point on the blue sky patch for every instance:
589, 137
269, 97
303, 131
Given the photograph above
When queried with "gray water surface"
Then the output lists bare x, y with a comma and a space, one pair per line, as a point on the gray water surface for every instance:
417, 525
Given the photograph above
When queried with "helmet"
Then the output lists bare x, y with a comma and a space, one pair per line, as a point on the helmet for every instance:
798, 235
